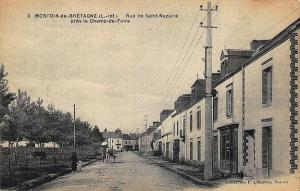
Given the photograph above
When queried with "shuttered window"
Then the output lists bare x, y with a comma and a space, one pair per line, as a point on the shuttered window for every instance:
199, 119
183, 125
229, 102
191, 150
191, 121
215, 108
199, 150
173, 128
267, 86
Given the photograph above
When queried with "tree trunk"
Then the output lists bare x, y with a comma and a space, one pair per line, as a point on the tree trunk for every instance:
53, 153
16, 151
40, 145
9, 159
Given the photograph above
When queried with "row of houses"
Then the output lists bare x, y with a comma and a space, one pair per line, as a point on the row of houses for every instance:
255, 112
119, 142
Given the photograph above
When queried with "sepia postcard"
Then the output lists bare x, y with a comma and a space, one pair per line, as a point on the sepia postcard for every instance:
149, 95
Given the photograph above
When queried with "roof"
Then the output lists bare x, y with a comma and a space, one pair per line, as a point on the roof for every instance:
167, 111
215, 78
107, 135
198, 81
134, 136
236, 52
131, 136
272, 43
126, 137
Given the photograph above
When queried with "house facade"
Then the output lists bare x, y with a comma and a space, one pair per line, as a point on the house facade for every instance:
114, 139
166, 139
147, 139
255, 111
115, 143
271, 114
130, 142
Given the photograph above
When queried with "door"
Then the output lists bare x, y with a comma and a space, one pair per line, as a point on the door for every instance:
215, 154
176, 151
167, 150
191, 150
198, 150
229, 150
250, 152
159, 147
267, 151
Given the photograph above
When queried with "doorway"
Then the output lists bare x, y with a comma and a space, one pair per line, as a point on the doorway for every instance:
267, 151
249, 152
176, 150
229, 149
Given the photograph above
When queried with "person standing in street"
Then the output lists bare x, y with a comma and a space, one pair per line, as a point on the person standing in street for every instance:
74, 161
103, 155
107, 155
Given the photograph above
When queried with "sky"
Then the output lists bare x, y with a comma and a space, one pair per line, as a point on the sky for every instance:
118, 73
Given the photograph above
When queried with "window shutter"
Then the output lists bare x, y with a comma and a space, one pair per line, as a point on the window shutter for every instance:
231, 102
227, 104
270, 83
264, 87
200, 119
215, 109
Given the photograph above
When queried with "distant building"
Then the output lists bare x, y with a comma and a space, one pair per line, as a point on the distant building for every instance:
130, 142
114, 140
147, 139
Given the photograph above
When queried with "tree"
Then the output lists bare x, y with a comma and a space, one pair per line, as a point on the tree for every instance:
83, 130
19, 110
52, 123
5, 97
7, 131
38, 131
96, 135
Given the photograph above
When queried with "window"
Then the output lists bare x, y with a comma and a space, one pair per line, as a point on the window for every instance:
215, 108
174, 129
229, 102
191, 150
112, 141
177, 128
183, 126
125, 142
199, 119
267, 86
191, 121
199, 150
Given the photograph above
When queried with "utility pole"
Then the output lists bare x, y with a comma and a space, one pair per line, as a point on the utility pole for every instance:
208, 166
146, 137
146, 121
74, 135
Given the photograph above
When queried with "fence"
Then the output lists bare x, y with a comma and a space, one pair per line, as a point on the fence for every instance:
12, 159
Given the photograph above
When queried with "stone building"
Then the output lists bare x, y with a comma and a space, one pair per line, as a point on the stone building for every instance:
255, 111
